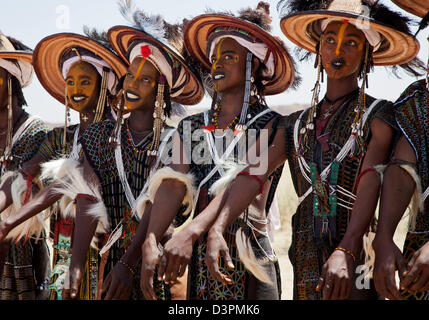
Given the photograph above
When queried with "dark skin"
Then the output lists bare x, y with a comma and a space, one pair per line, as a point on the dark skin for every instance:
336, 277
140, 87
228, 60
398, 188
82, 80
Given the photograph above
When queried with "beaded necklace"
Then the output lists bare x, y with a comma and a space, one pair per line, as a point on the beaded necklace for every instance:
216, 121
130, 140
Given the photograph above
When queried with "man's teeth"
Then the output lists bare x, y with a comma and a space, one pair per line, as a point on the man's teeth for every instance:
219, 76
79, 98
132, 96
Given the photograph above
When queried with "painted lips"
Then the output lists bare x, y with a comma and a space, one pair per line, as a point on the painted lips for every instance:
218, 75
77, 98
131, 96
338, 63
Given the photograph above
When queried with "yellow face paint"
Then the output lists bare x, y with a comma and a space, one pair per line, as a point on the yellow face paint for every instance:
341, 37
140, 68
1, 81
219, 46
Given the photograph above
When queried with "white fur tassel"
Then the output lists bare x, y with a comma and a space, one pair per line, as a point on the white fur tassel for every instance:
248, 258
32, 227
155, 181
69, 181
232, 170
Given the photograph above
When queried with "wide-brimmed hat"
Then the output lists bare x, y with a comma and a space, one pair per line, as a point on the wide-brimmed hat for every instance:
16, 59
189, 91
417, 7
201, 28
48, 60
394, 43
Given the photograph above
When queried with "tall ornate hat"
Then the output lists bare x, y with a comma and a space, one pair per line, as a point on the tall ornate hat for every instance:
251, 29
16, 58
417, 7
54, 55
387, 31
165, 46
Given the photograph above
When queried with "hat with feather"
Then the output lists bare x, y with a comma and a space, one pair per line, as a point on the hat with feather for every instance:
251, 29
160, 43
387, 31
16, 58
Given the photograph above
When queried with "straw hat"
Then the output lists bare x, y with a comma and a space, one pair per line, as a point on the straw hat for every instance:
23, 71
199, 29
397, 46
417, 7
123, 39
48, 58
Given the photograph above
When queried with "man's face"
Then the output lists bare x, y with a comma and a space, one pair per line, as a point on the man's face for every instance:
228, 65
342, 50
140, 84
83, 86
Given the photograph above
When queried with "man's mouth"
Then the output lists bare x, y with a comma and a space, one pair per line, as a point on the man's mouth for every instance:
338, 63
77, 98
131, 96
218, 75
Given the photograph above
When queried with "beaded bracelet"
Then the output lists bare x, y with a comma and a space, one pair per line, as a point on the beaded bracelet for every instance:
348, 252
257, 178
126, 265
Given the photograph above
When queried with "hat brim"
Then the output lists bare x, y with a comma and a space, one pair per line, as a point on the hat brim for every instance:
17, 55
49, 52
122, 37
396, 47
417, 7
199, 29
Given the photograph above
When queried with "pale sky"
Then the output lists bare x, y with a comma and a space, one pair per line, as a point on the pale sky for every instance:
30, 21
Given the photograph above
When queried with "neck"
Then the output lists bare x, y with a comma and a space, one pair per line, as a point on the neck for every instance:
85, 119
141, 120
16, 111
232, 102
340, 87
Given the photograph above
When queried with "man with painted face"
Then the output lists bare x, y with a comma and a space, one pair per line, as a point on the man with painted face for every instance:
121, 157
79, 77
406, 173
328, 145
246, 63
24, 263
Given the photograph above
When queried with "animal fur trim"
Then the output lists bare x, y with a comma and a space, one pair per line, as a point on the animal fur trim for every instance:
32, 227
155, 181
232, 169
256, 266
69, 181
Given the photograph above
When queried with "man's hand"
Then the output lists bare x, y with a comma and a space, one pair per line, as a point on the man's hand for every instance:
417, 274
336, 279
150, 258
217, 247
176, 255
75, 276
388, 259
118, 283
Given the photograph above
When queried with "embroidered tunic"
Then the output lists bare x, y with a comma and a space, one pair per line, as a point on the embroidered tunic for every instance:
313, 237
412, 116
201, 285
27, 264
62, 229
101, 156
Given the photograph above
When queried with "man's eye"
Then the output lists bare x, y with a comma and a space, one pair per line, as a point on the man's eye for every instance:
213, 60
130, 75
85, 82
352, 43
330, 40
70, 83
